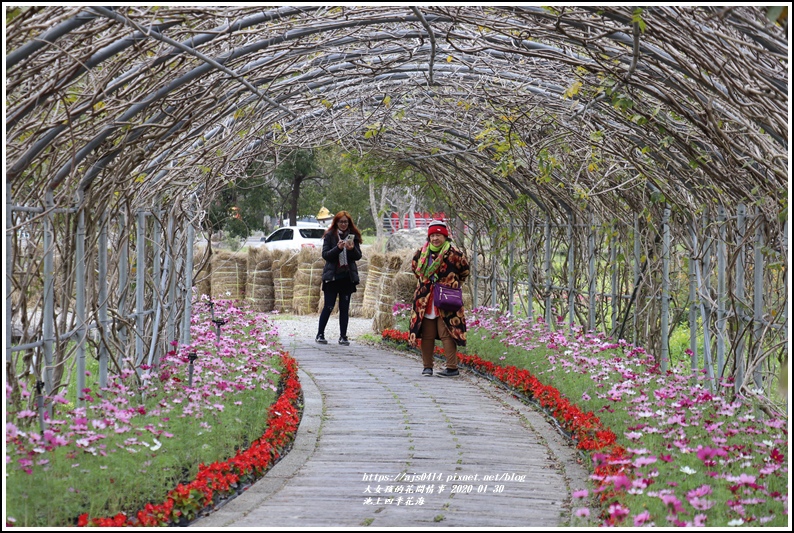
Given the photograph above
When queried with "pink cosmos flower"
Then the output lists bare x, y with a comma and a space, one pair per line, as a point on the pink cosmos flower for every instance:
618, 513
701, 504
580, 494
583, 512
672, 502
644, 461
768, 469
743, 479
705, 453
701, 491
642, 518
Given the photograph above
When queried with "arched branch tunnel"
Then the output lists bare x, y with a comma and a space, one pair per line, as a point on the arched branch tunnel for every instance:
623, 132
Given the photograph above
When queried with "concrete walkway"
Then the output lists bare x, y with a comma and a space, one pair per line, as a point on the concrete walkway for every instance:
380, 445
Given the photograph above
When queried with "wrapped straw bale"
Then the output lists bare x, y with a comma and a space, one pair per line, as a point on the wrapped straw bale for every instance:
384, 310
229, 273
201, 272
285, 266
357, 298
308, 281
372, 290
468, 295
259, 283
405, 281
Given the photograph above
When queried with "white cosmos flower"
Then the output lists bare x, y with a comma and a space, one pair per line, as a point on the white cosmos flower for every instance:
156, 446
688, 471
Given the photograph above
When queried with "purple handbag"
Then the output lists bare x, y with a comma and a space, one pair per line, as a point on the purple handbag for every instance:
447, 298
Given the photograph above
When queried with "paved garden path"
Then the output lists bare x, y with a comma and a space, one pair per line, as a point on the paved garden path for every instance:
380, 445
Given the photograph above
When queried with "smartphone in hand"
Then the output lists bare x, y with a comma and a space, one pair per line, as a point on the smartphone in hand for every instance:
350, 239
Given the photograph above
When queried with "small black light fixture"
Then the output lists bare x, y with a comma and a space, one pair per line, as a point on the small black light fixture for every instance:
40, 404
192, 356
218, 323
212, 310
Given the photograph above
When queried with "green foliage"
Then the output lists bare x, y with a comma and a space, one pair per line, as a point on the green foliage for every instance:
241, 205
636, 18
547, 164
777, 14
500, 139
13, 12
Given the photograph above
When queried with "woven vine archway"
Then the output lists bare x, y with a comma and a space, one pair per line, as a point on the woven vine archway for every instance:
664, 127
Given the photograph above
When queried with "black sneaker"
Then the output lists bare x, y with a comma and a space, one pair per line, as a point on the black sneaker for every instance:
427, 372
320, 338
343, 341
448, 373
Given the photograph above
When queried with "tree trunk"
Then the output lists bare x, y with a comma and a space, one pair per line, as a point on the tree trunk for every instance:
373, 207
293, 200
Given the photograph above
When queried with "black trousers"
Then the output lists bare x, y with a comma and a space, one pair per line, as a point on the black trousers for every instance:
331, 290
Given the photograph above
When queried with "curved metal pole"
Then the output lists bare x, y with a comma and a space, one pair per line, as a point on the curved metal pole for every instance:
80, 306
151, 32
571, 273
48, 37
665, 329
188, 293
9, 281
123, 44
48, 326
739, 310
102, 266
96, 59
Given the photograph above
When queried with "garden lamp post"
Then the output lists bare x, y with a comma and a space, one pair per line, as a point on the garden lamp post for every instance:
218, 323
192, 356
40, 404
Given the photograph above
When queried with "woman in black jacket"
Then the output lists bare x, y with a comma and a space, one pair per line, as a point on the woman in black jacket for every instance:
341, 250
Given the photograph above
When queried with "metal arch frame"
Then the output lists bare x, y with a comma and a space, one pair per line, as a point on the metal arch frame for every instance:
189, 133
81, 154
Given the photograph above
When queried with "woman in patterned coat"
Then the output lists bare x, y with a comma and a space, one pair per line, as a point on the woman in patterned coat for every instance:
437, 262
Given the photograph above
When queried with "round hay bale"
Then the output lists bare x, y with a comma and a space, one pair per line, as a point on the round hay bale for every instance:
308, 281
357, 299
202, 272
229, 273
468, 296
372, 290
384, 309
285, 266
259, 282
405, 282
406, 239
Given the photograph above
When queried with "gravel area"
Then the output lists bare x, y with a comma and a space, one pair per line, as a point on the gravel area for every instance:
305, 327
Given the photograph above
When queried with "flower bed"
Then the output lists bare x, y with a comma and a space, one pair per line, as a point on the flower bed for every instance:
119, 444
673, 452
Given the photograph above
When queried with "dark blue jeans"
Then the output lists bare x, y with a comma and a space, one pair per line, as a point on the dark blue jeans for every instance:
331, 291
